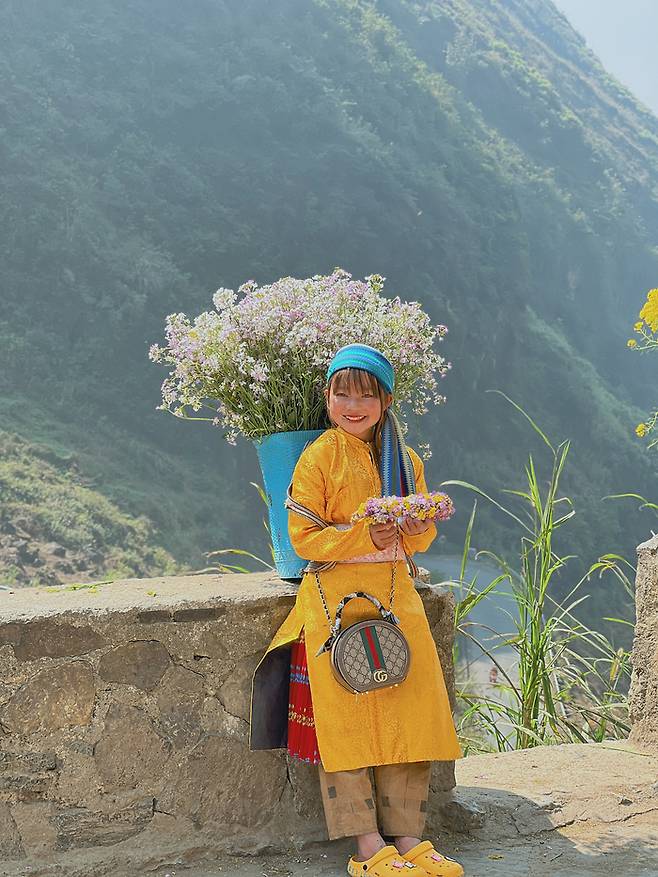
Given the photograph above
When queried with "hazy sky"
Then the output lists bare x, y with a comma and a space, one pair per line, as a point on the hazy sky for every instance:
624, 34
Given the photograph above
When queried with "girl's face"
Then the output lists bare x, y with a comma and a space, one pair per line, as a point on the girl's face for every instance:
355, 402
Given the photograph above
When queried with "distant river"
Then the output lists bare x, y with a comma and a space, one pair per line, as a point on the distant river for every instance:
493, 611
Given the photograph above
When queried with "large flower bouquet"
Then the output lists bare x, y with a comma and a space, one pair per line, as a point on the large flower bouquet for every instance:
258, 360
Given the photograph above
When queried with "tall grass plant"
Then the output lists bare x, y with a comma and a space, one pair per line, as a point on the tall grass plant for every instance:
558, 680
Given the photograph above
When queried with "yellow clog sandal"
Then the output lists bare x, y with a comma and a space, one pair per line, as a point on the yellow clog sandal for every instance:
388, 862
431, 862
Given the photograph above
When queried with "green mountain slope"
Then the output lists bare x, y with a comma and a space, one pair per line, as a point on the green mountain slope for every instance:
473, 152
55, 528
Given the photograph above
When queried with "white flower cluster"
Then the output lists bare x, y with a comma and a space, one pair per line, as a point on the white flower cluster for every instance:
259, 360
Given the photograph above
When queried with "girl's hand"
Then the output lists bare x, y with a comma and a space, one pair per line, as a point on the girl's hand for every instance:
414, 528
383, 535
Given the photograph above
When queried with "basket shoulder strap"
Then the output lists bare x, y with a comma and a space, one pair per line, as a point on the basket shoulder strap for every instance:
293, 506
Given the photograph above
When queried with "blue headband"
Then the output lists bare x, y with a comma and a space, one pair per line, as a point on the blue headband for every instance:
366, 358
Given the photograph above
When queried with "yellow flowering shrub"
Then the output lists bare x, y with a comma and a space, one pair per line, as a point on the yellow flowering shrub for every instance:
649, 312
647, 327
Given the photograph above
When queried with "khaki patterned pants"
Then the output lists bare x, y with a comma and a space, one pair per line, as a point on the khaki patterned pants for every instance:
397, 808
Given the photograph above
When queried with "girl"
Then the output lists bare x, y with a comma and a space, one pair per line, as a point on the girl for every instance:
396, 730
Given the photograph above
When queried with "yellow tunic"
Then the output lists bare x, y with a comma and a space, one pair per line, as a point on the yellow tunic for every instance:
410, 722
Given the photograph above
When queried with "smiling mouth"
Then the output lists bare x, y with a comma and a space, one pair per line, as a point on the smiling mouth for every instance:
354, 419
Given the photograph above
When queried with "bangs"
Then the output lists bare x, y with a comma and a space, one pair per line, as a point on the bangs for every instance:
354, 380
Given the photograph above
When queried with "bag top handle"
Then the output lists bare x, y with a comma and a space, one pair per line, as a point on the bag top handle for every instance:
386, 614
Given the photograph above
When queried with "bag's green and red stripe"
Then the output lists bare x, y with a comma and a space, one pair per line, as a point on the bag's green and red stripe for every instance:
373, 648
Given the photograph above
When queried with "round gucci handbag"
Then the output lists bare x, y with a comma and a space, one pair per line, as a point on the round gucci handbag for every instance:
369, 654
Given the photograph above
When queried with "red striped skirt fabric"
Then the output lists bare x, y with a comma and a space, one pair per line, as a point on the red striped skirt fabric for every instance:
302, 741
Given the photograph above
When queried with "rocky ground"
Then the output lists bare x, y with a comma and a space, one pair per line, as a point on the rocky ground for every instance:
564, 811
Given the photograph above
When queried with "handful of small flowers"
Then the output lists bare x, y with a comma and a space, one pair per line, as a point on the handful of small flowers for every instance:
432, 506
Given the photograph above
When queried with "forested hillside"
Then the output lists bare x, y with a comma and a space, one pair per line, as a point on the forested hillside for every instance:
471, 151
55, 528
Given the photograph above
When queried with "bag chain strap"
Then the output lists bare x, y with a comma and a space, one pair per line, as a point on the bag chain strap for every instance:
391, 596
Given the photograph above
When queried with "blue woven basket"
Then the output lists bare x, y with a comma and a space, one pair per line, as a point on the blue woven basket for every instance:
278, 454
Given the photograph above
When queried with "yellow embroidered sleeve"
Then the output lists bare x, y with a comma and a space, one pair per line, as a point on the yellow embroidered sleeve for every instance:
315, 543
422, 542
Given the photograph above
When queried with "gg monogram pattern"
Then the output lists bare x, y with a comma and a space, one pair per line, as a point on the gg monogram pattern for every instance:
369, 655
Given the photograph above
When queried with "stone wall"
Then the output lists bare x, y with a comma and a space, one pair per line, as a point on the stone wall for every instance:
644, 685
124, 719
